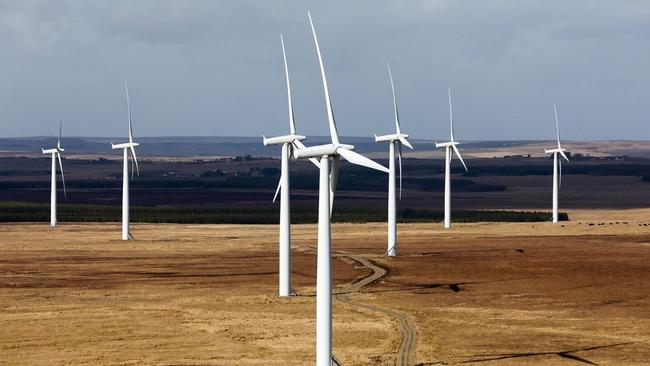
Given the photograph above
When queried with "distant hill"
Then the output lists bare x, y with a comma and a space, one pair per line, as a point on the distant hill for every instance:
241, 146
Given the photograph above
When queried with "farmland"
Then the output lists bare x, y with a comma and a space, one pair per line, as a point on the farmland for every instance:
510, 293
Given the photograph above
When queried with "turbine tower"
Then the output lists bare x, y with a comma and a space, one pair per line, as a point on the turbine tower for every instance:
449, 146
56, 155
288, 142
127, 147
397, 139
557, 167
327, 186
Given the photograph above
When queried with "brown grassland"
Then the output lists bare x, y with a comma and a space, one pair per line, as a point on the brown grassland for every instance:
485, 294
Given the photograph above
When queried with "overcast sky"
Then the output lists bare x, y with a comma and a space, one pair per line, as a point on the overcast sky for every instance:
206, 68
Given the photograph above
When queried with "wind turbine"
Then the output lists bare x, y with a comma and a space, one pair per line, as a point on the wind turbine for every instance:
397, 139
126, 147
449, 146
56, 155
327, 186
557, 166
288, 142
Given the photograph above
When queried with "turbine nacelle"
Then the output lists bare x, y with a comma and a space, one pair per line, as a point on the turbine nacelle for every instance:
557, 151
321, 150
447, 144
51, 151
280, 140
553, 151
392, 137
125, 145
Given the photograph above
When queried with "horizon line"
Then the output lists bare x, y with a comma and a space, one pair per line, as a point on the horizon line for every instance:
428, 139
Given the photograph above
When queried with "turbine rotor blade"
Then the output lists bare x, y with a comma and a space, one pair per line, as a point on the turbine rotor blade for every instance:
564, 155
299, 145
358, 159
459, 157
557, 126
277, 190
58, 143
399, 160
405, 142
58, 155
128, 108
330, 113
392, 86
451, 116
292, 125
135, 160
560, 168
334, 177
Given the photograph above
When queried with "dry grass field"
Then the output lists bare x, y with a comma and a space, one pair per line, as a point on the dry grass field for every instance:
478, 294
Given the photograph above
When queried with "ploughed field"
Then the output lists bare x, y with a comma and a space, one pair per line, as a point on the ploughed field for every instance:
484, 294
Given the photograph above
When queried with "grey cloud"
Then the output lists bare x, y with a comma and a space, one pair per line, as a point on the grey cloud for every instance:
215, 67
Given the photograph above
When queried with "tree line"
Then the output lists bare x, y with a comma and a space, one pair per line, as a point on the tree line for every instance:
36, 212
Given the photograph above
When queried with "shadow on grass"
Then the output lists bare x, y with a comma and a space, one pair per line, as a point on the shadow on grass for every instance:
567, 354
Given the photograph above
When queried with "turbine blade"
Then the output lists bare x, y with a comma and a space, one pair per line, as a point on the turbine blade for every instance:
330, 113
128, 108
405, 142
557, 126
135, 160
58, 155
299, 145
399, 160
564, 155
560, 168
358, 159
292, 125
277, 190
392, 86
459, 157
315, 162
58, 143
334, 177
451, 116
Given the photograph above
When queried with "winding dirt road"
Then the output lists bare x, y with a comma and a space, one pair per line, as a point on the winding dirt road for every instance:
406, 352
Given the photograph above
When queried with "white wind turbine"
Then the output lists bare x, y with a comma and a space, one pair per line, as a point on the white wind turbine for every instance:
327, 186
288, 142
126, 147
449, 146
56, 155
397, 139
557, 165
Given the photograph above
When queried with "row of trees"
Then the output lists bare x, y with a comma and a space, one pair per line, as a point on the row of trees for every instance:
33, 212
345, 183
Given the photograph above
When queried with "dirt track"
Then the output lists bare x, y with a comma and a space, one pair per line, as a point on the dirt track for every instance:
406, 351
493, 294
